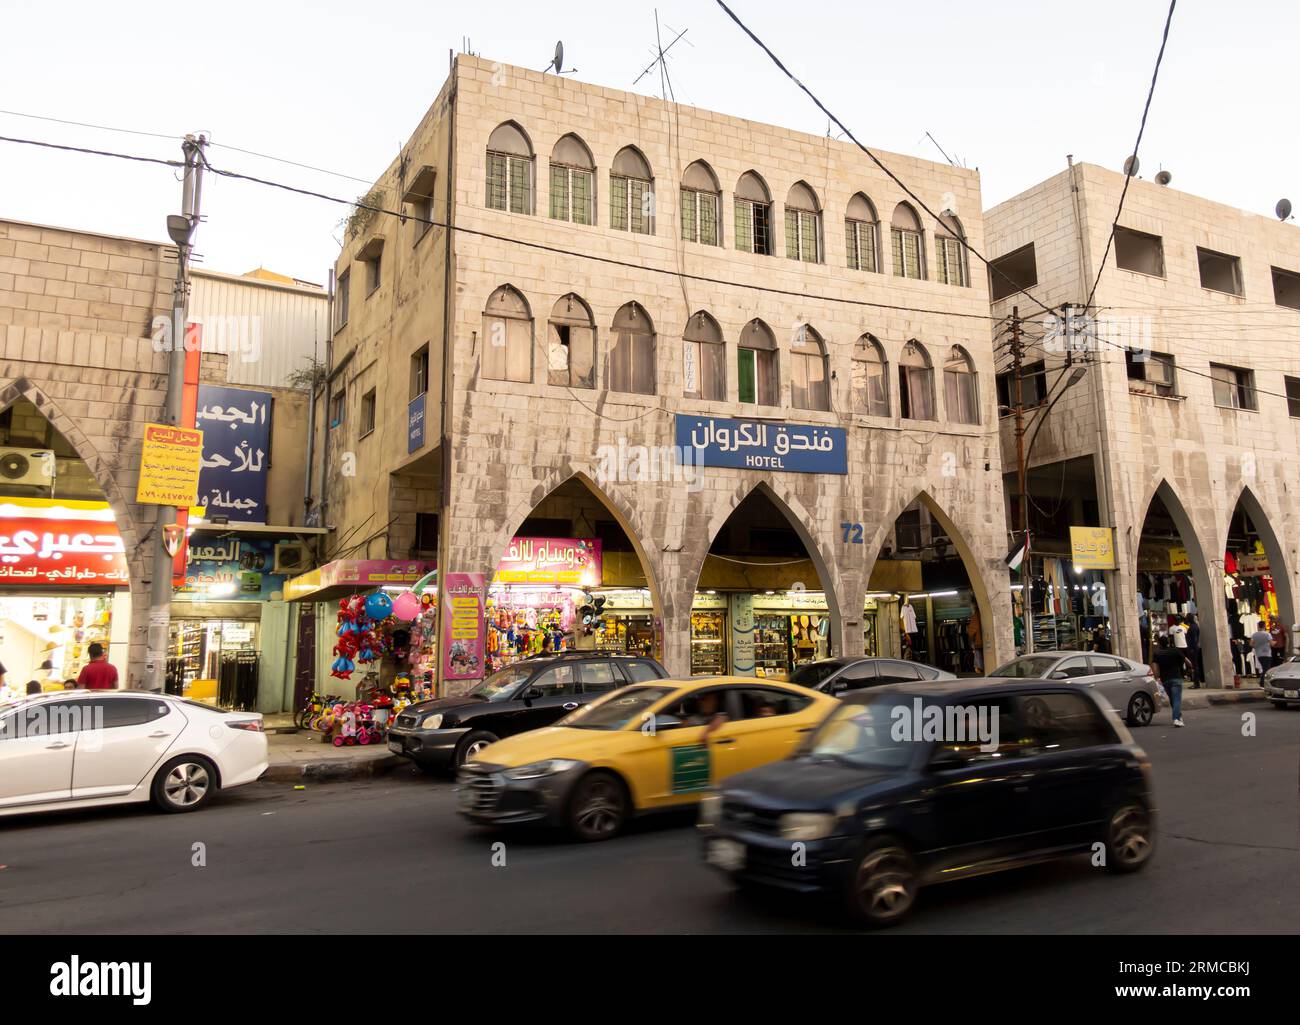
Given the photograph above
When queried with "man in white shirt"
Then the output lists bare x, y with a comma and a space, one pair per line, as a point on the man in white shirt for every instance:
1178, 635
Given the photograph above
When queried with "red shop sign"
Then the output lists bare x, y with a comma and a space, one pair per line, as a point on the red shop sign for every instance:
39, 550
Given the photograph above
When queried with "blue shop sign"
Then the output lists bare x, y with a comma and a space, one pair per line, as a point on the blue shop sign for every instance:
236, 426
229, 569
756, 445
415, 424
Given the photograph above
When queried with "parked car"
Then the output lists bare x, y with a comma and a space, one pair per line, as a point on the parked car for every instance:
1129, 686
440, 734
646, 748
1282, 683
876, 815
80, 749
840, 676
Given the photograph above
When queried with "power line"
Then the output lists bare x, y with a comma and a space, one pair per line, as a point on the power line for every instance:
178, 138
875, 159
1131, 169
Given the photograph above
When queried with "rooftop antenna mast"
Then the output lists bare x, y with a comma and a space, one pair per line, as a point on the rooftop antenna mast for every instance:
943, 151
660, 50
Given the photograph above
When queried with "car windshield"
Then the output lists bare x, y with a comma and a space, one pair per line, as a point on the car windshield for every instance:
1027, 667
616, 709
501, 684
813, 673
863, 735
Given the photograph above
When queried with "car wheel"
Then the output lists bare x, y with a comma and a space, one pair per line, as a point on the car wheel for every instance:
883, 883
1130, 838
1141, 709
185, 783
598, 807
471, 744
1279, 704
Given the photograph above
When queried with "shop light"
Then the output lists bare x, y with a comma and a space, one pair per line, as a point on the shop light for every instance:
883, 594
710, 592
935, 594
221, 590
769, 592
1017, 587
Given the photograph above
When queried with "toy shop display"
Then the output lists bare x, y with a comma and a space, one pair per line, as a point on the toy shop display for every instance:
517, 630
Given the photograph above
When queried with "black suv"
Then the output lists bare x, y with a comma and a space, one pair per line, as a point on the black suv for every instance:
439, 735
871, 808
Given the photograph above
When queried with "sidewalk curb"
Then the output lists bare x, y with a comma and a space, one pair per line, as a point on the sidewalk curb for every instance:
1195, 699
335, 770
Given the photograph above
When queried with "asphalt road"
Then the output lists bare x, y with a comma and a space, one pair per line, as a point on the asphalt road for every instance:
391, 855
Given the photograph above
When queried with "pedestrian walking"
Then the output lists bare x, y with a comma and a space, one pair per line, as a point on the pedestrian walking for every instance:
97, 674
1194, 651
1100, 642
1178, 635
1170, 666
1261, 642
1278, 647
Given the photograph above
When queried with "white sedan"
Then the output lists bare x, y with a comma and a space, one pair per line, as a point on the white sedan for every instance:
81, 749
1282, 683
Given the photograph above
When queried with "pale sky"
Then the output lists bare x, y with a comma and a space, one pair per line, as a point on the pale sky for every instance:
1008, 86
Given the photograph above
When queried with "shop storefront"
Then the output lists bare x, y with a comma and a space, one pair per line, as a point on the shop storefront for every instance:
63, 586
1067, 605
1250, 599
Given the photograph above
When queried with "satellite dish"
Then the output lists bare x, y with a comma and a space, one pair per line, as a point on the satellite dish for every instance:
1164, 178
559, 57
1131, 166
1283, 209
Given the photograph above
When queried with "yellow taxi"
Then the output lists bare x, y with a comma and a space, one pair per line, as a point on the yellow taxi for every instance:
645, 748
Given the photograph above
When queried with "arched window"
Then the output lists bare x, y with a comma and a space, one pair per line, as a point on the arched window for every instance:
915, 383
756, 369
870, 377
803, 225
809, 380
860, 234
950, 252
510, 170
507, 337
631, 193
701, 200
905, 236
571, 344
632, 355
573, 182
753, 215
960, 395
704, 359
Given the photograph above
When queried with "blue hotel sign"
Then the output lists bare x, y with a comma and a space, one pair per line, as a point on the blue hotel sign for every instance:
415, 424
755, 445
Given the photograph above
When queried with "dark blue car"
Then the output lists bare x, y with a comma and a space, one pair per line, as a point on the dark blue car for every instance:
920, 783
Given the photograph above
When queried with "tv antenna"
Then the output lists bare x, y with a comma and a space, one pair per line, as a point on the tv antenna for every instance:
557, 62
660, 50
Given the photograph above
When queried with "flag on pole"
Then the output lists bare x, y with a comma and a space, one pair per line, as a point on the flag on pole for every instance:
1017, 554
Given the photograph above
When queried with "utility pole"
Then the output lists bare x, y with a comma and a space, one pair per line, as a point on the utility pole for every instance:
1022, 488
181, 230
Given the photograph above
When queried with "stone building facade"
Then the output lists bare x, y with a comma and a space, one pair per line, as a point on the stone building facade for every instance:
617, 217
1191, 384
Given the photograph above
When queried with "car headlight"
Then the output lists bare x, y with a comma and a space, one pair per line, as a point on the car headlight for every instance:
537, 770
710, 809
431, 722
806, 825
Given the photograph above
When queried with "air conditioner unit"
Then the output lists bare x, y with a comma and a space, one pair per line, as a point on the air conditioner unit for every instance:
291, 557
26, 466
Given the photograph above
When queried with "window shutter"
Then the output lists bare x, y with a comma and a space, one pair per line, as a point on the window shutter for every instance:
808, 236
496, 181
745, 375
708, 217
580, 200
744, 226
519, 185
559, 193
618, 203
791, 235
896, 242
689, 228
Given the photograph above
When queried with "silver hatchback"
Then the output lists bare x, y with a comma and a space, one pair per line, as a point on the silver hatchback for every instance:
1129, 687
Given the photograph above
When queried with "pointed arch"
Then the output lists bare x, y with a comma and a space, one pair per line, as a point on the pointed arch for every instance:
105, 475
1262, 521
626, 513
1205, 575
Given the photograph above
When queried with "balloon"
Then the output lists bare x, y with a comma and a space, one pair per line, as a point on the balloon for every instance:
379, 605
406, 606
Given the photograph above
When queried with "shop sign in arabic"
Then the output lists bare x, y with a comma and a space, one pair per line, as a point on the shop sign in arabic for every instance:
69, 551
754, 445
1092, 547
415, 424
169, 466
236, 452
464, 634
551, 560
234, 569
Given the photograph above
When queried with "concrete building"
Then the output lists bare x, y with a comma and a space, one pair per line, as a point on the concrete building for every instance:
621, 272
80, 376
1182, 432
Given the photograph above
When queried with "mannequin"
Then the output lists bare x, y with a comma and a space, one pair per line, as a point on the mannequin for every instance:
907, 619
